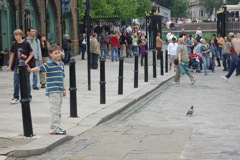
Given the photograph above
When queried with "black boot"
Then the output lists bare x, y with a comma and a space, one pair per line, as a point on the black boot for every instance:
218, 60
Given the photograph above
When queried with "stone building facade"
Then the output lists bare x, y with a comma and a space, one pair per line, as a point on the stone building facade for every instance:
54, 18
197, 10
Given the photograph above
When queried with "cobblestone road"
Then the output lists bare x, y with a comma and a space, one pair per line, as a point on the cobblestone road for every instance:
158, 127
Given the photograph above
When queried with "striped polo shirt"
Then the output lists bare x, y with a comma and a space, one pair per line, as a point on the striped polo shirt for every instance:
54, 76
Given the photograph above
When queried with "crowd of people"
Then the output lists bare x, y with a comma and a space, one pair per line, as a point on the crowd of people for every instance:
121, 42
207, 54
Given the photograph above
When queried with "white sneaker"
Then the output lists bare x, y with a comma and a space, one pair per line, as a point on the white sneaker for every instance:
192, 83
176, 82
14, 101
224, 78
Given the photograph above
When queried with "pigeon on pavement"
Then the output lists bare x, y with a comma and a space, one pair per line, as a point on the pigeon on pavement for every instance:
190, 111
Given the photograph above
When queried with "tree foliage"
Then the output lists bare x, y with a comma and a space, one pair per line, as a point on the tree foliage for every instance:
179, 8
124, 9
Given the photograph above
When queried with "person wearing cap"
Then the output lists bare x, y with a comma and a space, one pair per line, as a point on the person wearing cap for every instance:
159, 46
183, 59
172, 51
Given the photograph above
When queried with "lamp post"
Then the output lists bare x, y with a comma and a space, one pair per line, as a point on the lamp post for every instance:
153, 33
88, 42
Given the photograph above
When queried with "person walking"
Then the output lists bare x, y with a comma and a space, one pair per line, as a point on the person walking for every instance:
67, 48
83, 45
235, 50
124, 44
103, 47
35, 45
205, 55
114, 46
55, 87
172, 52
159, 42
44, 44
183, 58
95, 50
20, 48
226, 54
213, 54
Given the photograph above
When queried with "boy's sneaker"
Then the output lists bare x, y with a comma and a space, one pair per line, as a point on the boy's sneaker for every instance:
14, 101
224, 78
192, 83
59, 132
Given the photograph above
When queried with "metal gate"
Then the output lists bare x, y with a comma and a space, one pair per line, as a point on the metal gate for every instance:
154, 28
228, 20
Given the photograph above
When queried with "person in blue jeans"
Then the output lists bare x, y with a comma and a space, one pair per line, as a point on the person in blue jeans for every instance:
114, 46
205, 55
36, 47
20, 49
103, 47
235, 62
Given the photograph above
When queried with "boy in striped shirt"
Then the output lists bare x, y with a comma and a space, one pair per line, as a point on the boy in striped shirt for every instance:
55, 90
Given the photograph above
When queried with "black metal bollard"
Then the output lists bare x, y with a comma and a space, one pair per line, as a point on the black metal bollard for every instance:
166, 61
154, 64
136, 72
120, 77
25, 100
146, 67
102, 82
72, 89
161, 62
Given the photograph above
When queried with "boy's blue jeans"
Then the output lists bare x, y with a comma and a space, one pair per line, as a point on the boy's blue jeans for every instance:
17, 83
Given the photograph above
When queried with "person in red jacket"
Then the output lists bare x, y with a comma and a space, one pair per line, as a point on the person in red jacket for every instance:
114, 46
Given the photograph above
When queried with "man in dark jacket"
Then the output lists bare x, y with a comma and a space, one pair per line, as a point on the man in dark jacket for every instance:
67, 48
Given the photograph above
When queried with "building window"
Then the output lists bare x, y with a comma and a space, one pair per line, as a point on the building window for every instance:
51, 28
201, 13
30, 15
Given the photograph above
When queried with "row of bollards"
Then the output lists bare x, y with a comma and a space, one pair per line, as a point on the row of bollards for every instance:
25, 99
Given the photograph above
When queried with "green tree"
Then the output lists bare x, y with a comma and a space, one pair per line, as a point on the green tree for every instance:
179, 8
124, 9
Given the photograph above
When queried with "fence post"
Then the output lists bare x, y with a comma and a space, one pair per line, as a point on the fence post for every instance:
25, 100
166, 62
120, 77
146, 67
136, 72
154, 64
102, 82
161, 62
72, 89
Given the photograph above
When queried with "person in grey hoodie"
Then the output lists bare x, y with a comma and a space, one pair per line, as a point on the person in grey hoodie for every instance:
35, 45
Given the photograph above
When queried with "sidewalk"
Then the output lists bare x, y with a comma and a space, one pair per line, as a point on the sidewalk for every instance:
90, 111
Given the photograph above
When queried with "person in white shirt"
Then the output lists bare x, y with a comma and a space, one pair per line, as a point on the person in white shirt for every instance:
129, 29
199, 32
172, 51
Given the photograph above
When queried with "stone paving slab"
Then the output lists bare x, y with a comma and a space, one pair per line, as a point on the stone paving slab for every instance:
90, 111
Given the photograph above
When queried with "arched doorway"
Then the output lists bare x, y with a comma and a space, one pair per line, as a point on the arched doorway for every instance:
30, 15
51, 27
